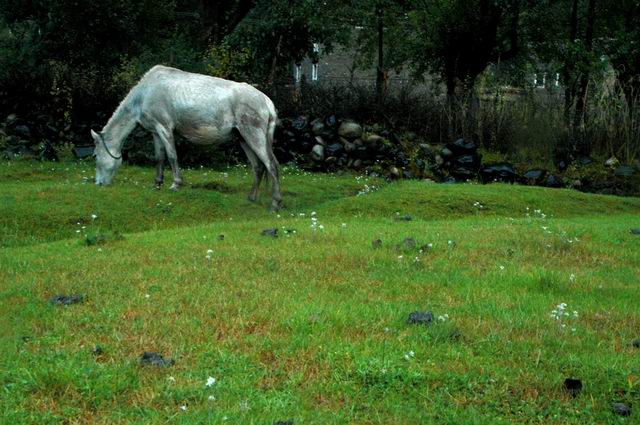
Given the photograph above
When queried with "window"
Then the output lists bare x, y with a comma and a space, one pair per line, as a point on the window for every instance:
297, 72
314, 65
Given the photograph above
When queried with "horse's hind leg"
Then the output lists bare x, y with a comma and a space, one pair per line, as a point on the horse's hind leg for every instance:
257, 141
159, 148
257, 167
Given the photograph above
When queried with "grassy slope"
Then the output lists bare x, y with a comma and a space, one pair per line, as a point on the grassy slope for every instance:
311, 326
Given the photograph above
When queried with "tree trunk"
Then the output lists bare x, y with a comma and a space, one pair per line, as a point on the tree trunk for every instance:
380, 80
274, 64
569, 89
584, 77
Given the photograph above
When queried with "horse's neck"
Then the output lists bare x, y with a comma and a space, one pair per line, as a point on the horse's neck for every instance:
121, 123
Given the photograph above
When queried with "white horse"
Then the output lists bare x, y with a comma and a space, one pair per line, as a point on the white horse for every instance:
205, 110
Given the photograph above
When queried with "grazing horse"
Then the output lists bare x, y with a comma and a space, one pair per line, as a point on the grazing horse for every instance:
205, 110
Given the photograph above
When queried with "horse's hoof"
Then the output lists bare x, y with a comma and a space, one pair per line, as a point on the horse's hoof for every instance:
276, 206
158, 186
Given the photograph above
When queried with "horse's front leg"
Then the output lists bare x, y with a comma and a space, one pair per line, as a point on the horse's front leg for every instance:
166, 136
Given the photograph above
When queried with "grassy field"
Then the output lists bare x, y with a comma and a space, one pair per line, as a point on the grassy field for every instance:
311, 326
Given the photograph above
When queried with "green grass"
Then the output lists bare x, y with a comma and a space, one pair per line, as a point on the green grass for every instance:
311, 326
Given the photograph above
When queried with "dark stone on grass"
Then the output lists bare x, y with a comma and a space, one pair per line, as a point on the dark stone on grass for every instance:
66, 299
287, 422
635, 231
405, 217
408, 244
636, 343
621, 409
534, 176
150, 358
553, 181
83, 151
220, 237
455, 335
270, 232
573, 386
420, 318
376, 243
502, 172
97, 351
426, 247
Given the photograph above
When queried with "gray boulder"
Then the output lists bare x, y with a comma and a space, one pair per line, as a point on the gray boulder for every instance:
317, 153
350, 130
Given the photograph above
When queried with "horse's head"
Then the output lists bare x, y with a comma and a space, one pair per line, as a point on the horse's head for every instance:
106, 162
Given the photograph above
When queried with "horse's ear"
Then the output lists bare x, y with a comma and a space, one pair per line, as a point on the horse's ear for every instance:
96, 137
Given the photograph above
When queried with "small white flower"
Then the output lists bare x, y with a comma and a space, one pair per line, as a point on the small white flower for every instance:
321, 227
147, 295
99, 249
344, 225
212, 398
210, 381
572, 278
93, 216
78, 231
501, 267
209, 251
400, 257
171, 379
183, 407
313, 213
208, 257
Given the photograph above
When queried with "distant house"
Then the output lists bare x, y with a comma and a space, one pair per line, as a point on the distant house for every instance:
337, 68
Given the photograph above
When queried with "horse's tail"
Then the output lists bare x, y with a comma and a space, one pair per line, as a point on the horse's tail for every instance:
271, 126
271, 129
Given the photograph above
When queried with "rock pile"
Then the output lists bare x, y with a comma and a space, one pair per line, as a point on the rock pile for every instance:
329, 144
333, 144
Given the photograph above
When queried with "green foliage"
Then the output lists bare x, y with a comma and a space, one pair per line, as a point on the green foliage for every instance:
225, 62
277, 32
